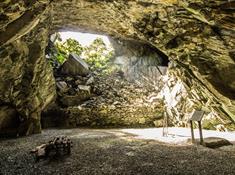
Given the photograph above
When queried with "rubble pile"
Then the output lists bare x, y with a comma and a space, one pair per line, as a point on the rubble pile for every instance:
105, 100
108, 101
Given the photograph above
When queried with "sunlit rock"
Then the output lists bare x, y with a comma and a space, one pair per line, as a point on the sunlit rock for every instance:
74, 65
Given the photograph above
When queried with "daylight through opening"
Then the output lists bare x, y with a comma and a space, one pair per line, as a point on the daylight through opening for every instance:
105, 82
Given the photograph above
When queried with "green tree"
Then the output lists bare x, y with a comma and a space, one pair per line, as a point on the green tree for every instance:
59, 51
98, 55
67, 47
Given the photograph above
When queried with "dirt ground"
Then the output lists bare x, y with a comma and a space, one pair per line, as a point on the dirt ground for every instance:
111, 151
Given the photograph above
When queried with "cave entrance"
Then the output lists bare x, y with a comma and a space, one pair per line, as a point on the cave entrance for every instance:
105, 82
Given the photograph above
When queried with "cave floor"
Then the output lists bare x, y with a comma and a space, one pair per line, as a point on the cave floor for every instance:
114, 151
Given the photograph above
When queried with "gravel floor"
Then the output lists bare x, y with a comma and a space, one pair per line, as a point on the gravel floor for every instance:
114, 152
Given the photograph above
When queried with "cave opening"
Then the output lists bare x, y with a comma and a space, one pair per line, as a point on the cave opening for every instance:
104, 81
129, 89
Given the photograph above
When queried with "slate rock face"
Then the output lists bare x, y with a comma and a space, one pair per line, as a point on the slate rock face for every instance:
27, 84
139, 61
74, 65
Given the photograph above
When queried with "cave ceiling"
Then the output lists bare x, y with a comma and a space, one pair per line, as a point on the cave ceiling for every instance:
198, 37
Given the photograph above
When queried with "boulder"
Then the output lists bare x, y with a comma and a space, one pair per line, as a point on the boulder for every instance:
74, 100
62, 86
216, 142
75, 66
91, 80
84, 89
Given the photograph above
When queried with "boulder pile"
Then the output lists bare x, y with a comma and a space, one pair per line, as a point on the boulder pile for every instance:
105, 100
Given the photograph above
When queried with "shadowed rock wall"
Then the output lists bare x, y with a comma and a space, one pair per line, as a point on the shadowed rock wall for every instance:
26, 84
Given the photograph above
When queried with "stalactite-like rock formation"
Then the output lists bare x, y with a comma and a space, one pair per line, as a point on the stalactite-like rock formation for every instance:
197, 36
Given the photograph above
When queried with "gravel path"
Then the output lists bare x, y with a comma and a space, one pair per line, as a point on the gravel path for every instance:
114, 152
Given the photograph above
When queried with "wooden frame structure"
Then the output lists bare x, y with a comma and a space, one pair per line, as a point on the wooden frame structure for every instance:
196, 116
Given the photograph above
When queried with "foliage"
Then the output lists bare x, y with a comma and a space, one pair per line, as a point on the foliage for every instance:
67, 47
59, 51
97, 54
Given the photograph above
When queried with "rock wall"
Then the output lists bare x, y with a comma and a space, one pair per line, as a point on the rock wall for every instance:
202, 58
198, 36
26, 84
141, 63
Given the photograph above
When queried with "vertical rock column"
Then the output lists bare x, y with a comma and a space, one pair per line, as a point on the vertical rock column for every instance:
198, 37
27, 83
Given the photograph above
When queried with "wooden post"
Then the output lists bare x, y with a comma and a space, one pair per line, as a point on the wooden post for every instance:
165, 125
200, 131
192, 133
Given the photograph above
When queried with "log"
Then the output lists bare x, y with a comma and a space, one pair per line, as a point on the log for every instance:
56, 147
